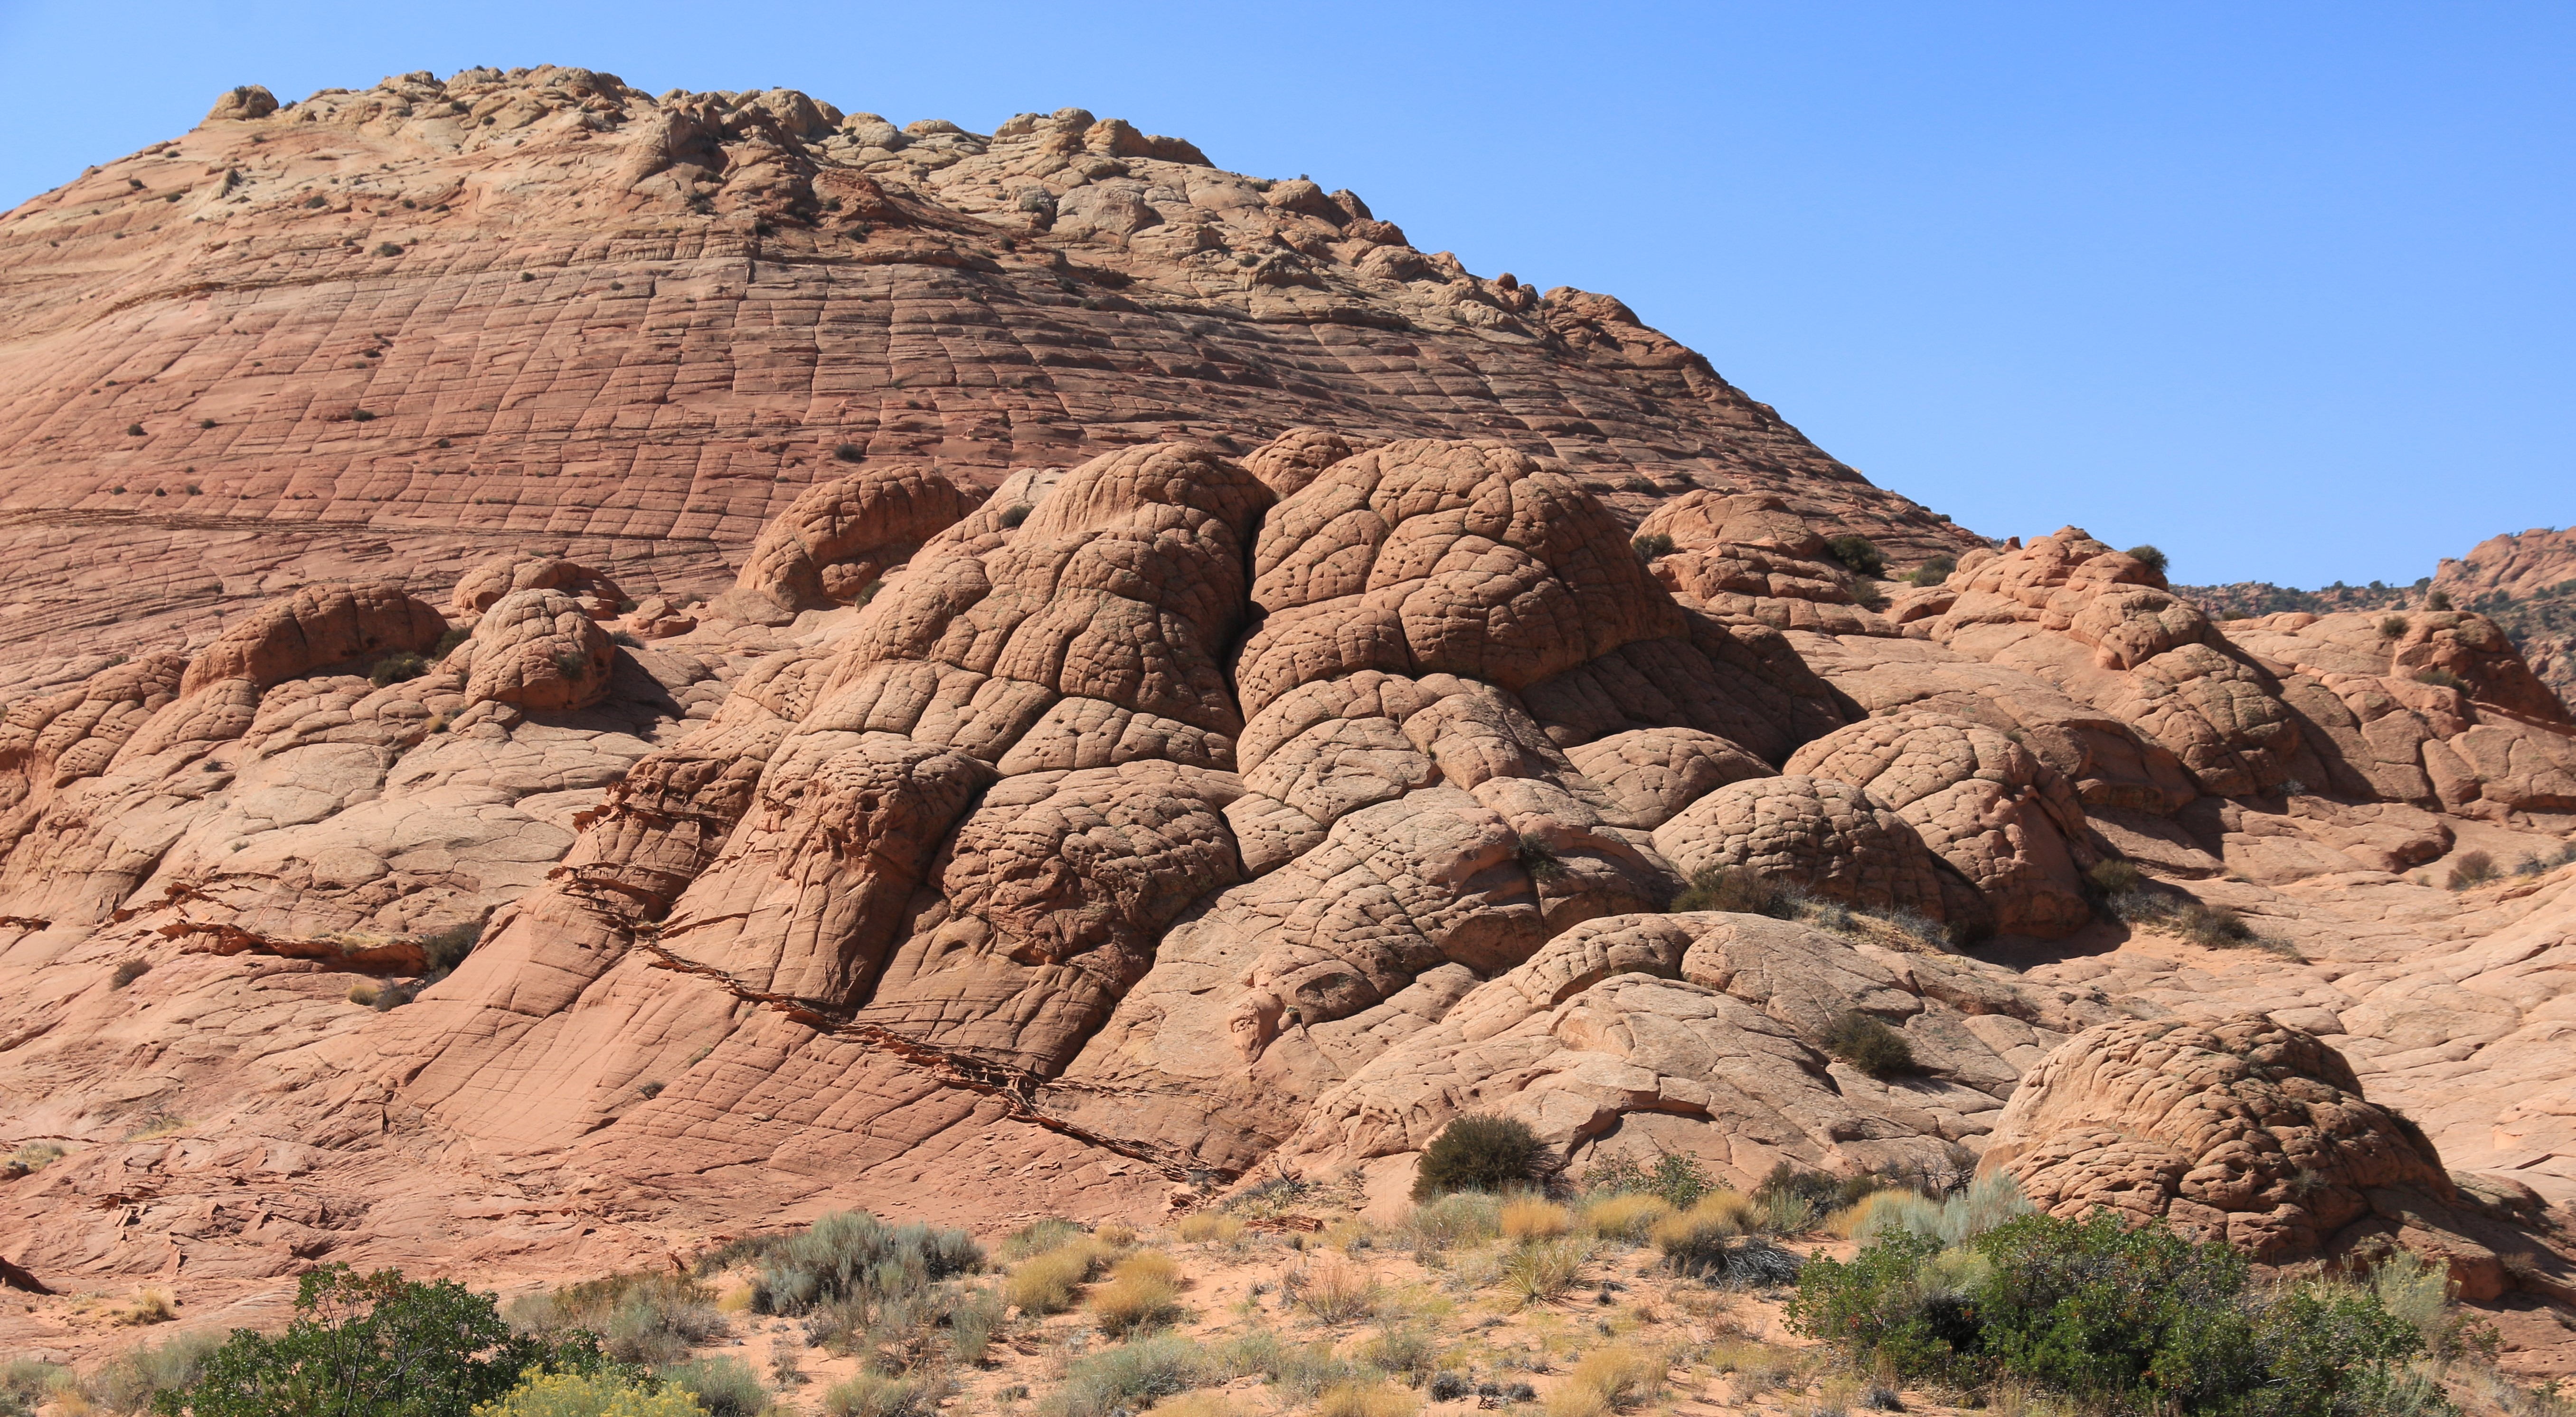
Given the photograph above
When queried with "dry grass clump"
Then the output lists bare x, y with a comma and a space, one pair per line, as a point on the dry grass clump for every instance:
150, 1306
1628, 1219
646, 1318
1464, 1218
876, 1395
1364, 1399
1608, 1379
1534, 1218
1197, 1404
1046, 1283
1544, 1271
1211, 1226
1338, 1291
1144, 1291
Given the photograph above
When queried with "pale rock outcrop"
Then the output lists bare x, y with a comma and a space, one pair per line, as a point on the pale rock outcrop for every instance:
838, 538
1829, 839
538, 649
1748, 557
2006, 820
315, 627
1652, 773
479, 589
1702, 1034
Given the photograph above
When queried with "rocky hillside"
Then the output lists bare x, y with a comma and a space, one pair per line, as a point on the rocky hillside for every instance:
404, 329
1251, 694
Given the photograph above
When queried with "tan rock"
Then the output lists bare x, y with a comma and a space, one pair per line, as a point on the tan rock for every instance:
1827, 838
538, 649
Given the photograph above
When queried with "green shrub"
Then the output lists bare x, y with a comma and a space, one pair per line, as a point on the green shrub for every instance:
2441, 678
1867, 594
2153, 559
361, 415
2438, 600
1869, 1045
26, 1382
850, 452
387, 248
127, 971
2115, 877
378, 1344
1737, 890
2392, 628
648, 1319
1461, 1218
135, 1378
134, 430
1858, 553
1480, 1154
1539, 860
876, 1395
1036, 1239
2473, 868
2118, 1319
1652, 548
397, 668
447, 643
571, 664
1676, 1177
1012, 516
1132, 1375
583, 1395
725, 1387
1933, 572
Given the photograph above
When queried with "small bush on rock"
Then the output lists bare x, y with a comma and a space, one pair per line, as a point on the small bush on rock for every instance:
1869, 1045
1933, 572
397, 668
2441, 678
2473, 868
1858, 553
1653, 547
2148, 556
1480, 1154
1738, 891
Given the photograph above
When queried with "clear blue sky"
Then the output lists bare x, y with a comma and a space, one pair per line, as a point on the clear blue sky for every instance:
2284, 288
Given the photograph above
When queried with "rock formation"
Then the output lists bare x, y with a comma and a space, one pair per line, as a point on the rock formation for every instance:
1059, 805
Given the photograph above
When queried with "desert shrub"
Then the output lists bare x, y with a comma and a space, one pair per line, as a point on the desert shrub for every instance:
587, 1395
1338, 1291
850, 1255
443, 950
849, 452
133, 1379
37, 1155
571, 664
397, 668
1987, 1203
876, 1395
375, 1343
1531, 1217
1364, 1399
1869, 1045
26, 1382
2214, 926
2441, 678
2118, 1319
150, 1306
1539, 859
1630, 1218
447, 643
2437, 600
1133, 1376
1404, 1351
1933, 572
1477, 1153
1652, 547
127, 972
2113, 877
1143, 1291
1449, 1387
1208, 1225
1736, 890
1544, 1271
1677, 1177
1867, 593
387, 248
1858, 553
2150, 557
725, 1386
2394, 627
649, 1318
2471, 868
1012, 516
360, 415
134, 430
1460, 1218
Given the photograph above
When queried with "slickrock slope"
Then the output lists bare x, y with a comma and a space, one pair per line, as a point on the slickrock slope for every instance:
2527, 585
402, 330
1079, 827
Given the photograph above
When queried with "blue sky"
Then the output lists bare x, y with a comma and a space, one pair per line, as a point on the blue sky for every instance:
2285, 289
